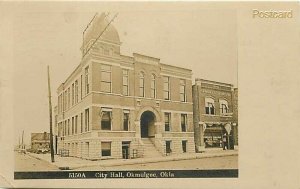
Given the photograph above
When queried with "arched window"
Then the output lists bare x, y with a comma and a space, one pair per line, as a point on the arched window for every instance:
209, 106
153, 86
142, 84
224, 106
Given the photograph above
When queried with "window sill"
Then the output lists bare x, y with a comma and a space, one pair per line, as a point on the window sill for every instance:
106, 157
211, 115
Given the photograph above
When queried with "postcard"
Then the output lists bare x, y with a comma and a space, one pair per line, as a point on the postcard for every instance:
147, 94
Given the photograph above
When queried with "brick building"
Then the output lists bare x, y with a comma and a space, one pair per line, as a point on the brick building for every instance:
40, 141
116, 106
215, 110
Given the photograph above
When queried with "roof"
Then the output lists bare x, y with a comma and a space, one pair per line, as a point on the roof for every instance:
97, 26
40, 136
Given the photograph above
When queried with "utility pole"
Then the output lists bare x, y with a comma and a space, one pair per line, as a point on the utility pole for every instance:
50, 113
22, 140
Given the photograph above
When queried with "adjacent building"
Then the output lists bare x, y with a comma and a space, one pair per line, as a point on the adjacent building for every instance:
215, 110
40, 141
117, 106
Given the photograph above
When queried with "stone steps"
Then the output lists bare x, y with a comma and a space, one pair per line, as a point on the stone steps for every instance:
149, 149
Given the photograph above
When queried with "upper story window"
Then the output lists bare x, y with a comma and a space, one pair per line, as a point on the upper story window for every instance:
76, 124
126, 120
106, 117
105, 78
65, 100
73, 94
87, 119
76, 91
87, 85
167, 121
59, 104
81, 87
153, 86
224, 107
166, 88
209, 106
125, 82
182, 91
69, 133
73, 130
142, 85
69, 98
183, 122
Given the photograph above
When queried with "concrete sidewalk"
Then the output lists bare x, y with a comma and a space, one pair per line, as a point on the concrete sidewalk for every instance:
71, 163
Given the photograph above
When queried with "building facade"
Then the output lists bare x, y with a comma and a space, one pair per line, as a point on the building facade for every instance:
40, 141
216, 113
117, 106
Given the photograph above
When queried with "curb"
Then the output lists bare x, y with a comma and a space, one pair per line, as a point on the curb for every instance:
153, 160
142, 161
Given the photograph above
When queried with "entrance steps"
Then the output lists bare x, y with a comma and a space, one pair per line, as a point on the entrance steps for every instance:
149, 149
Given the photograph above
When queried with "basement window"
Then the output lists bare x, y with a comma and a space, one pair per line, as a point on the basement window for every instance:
106, 148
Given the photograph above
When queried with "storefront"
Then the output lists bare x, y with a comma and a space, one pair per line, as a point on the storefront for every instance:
213, 136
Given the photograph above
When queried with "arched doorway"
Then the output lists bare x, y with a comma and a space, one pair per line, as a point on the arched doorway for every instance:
147, 124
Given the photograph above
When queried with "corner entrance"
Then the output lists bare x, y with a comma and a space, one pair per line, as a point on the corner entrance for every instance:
147, 124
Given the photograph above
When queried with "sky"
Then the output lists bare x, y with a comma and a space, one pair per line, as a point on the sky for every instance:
204, 40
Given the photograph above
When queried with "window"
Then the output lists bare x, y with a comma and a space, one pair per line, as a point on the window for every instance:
153, 86
58, 127
73, 94
184, 146
106, 119
76, 91
72, 125
88, 149
168, 147
126, 120
166, 88
106, 148
209, 106
81, 122
125, 82
87, 120
69, 98
65, 100
182, 91
167, 121
87, 86
69, 127
81, 87
142, 84
65, 128
76, 120
183, 122
58, 104
224, 107
105, 78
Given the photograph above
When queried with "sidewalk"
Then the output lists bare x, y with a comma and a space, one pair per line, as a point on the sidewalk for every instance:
70, 163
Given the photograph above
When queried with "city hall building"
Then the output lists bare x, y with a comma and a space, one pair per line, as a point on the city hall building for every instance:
215, 110
116, 106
